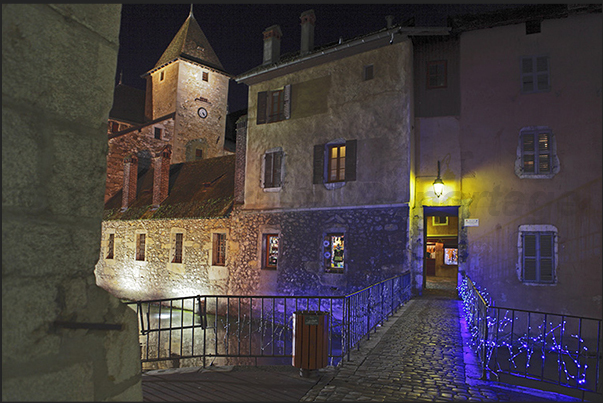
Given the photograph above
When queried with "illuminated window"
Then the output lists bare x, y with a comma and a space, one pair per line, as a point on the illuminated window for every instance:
270, 251
537, 253
336, 163
437, 74
140, 246
333, 253
219, 250
205, 76
178, 248
273, 162
437, 220
536, 153
535, 74
110, 246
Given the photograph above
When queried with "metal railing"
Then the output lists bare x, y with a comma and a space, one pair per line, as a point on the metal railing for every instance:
557, 349
188, 331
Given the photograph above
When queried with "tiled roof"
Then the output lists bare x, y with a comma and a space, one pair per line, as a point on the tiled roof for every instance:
197, 189
190, 43
128, 104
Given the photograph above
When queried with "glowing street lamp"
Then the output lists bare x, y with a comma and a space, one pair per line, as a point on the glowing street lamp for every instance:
438, 184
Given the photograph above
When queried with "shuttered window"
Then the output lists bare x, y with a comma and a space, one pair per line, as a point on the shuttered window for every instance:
178, 248
538, 257
334, 162
219, 250
536, 151
535, 75
274, 106
140, 246
273, 162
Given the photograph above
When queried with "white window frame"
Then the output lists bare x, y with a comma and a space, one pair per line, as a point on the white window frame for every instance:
536, 229
554, 159
534, 74
263, 170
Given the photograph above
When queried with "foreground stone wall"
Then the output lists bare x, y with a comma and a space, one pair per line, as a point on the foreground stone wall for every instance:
58, 76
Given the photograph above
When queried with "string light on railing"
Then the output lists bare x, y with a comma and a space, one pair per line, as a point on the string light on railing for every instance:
525, 344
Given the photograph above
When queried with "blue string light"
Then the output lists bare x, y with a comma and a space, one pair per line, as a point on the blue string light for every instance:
482, 323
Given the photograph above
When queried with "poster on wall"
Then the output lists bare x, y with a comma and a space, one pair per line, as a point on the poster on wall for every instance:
451, 256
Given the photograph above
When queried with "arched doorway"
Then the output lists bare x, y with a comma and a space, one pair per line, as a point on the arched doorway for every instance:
440, 253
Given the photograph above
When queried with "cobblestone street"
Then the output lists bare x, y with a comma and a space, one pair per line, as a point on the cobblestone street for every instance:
419, 356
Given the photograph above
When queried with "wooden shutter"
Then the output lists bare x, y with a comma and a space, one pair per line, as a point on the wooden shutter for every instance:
319, 164
262, 104
529, 257
546, 257
277, 162
350, 160
287, 102
268, 170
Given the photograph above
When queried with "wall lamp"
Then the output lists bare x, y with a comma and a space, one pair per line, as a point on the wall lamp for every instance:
438, 184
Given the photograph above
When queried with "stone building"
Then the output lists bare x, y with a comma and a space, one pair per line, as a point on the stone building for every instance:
63, 337
510, 105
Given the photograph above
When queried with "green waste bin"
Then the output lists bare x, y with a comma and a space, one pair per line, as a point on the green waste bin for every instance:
310, 340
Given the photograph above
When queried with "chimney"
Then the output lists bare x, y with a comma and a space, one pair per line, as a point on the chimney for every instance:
161, 177
272, 44
390, 21
308, 20
130, 181
241, 146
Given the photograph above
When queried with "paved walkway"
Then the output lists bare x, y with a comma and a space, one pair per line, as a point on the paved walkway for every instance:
419, 354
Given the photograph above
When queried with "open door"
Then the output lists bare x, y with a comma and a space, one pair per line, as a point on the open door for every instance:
440, 256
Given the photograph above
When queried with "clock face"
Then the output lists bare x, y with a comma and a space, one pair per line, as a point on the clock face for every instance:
202, 112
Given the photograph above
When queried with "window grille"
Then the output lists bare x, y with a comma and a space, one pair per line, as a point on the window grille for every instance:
219, 250
178, 248
140, 246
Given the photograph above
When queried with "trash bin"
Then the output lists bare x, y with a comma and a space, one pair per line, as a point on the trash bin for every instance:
310, 341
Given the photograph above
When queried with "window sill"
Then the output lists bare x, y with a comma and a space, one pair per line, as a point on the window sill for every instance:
272, 190
334, 185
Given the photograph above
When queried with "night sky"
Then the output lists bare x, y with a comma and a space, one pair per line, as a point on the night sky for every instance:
235, 31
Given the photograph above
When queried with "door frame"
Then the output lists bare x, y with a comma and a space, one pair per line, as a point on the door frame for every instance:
442, 211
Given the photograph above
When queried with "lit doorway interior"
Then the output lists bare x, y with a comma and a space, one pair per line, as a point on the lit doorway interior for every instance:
440, 256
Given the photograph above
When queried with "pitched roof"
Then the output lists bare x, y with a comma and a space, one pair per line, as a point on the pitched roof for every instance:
197, 189
190, 43
128, 104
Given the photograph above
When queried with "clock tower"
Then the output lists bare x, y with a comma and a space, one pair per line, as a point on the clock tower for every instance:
189, 82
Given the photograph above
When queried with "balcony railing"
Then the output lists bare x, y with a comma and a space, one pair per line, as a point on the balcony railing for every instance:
189, 331
557, 349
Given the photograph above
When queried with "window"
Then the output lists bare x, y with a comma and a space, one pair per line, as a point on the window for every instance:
178, 248
161, 76
536, 153
437, 220
535, 74
532, 27
110, 246
158, 133
437, 74
333, 253
274, 106
198, 154
335, 162
368, 72
140, 246
114, 127
272, 165
537, 253
219, 250
270, 251
205, 76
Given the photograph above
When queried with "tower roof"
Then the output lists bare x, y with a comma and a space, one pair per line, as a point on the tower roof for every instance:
190, 43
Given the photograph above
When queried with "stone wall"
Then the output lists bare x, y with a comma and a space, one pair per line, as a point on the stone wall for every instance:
57, 81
